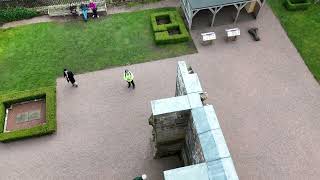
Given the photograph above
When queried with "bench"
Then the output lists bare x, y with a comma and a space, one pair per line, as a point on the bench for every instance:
232, 34
316, 1
64, 10
208, 38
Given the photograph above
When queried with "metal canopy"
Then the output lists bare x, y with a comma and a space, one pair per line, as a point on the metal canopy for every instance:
200, 4
192, 7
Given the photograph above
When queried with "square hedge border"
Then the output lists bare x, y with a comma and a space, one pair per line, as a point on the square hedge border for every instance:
161, 31
294, 5
48, 128
162, 27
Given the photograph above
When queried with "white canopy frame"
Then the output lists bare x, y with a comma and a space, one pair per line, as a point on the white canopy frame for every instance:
190, 12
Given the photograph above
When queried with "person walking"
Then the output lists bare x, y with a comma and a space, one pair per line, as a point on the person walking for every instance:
70, 77
93, 7
143, 177
128, 76
84, 9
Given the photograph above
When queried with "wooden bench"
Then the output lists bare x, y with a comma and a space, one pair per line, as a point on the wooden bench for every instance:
64, 10
208, 38
316, 1
232, 34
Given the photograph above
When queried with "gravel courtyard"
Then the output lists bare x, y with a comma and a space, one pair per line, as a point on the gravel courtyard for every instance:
267, 102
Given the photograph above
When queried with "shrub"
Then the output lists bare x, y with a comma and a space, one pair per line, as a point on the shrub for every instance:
294, 5
47, 128
14, 14
161, 32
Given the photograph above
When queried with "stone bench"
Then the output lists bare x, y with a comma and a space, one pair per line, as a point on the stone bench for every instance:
232, 34
208, 38
64, 10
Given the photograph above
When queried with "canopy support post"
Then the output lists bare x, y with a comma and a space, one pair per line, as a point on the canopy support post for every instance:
239, 8
214, 13
261, 4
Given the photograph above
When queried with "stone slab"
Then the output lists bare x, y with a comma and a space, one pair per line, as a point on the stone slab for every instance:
194, 100
213, 145
163, 106
205, 119
182, 67
194, 172
192, 83
222, 169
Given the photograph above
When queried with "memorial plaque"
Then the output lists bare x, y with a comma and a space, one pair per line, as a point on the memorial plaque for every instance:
34, 115
22, 117
28, 116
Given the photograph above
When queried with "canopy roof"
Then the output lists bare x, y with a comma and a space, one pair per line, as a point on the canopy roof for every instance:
198, 4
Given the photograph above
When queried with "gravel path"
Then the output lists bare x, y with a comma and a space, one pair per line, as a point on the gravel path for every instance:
34, 20
266, 99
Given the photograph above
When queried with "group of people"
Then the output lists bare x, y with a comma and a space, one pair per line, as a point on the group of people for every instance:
84, 9
127, 76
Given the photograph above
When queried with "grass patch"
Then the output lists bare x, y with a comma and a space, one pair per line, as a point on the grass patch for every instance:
303, 28
47, 128
33, 56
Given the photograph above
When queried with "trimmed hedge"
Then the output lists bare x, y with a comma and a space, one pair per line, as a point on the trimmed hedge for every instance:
14, 14
162, 27
39, 130
165, 38
161, 32
294, 5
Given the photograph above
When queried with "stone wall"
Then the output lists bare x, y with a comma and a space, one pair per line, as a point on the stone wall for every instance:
184, 125
169, 131
192, 151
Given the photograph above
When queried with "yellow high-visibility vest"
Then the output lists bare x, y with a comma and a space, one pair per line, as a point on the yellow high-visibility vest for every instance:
128, 76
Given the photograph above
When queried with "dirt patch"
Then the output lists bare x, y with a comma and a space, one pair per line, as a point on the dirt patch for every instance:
174, 31
25, 115
163, 20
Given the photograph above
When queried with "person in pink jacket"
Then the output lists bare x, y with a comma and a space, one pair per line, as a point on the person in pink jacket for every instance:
93, 7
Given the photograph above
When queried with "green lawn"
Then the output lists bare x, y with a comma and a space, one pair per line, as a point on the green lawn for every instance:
303, 28
34, 56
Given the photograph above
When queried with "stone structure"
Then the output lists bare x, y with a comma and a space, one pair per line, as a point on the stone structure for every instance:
184, 125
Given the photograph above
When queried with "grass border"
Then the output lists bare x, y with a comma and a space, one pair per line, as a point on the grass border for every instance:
49, 93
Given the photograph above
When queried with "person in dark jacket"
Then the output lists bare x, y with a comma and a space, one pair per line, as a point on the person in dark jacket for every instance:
70, 77
73, 9
143, 177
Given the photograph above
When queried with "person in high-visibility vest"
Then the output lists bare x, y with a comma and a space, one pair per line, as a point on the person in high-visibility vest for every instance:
128, 76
